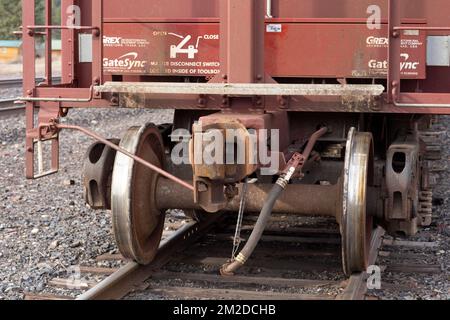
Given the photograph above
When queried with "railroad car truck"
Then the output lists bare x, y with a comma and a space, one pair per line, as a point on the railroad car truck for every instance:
305, 107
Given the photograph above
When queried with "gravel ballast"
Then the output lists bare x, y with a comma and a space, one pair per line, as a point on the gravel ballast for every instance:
45, 227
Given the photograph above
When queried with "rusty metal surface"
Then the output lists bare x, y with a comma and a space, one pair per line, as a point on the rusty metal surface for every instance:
234, 128
363, 52
403, 186
223, 170
240, 89
299, 199
97, 174
29, 53
312, 142
402, 178
241, 42
291, 10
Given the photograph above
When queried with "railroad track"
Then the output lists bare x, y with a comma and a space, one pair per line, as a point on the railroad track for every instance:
307, 268
18, 82
9, 108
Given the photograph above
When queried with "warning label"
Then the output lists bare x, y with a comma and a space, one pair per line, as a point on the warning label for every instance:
175, 50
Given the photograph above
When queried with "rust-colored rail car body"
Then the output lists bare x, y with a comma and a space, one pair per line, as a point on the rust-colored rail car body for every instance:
346, 87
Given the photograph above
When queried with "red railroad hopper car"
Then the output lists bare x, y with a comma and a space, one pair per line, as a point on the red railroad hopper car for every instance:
339, 97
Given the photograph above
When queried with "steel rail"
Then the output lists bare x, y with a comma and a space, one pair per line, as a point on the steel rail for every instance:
8, 108
127, 278
18, 82
357, 287
123, 281
6, 103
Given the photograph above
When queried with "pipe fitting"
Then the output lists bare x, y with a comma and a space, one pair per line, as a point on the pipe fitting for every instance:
282, 182
241, 258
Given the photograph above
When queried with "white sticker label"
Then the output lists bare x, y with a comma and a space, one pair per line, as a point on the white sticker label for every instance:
411, 32
85, 48
274, 28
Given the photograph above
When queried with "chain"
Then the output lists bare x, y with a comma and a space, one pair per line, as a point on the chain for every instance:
237, 236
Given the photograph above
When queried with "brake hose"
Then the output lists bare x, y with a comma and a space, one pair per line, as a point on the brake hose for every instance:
297, 161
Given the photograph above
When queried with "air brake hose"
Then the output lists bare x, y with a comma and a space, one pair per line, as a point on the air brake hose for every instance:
264, 216
295, 163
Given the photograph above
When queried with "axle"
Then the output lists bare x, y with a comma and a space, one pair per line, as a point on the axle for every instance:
312, 200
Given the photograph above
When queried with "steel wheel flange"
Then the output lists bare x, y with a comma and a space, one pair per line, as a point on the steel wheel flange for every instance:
356, 224
137, 223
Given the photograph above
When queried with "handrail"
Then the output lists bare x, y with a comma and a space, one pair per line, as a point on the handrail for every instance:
48, 99
422, 28
48, 27
269, 9
420, 105
396, 103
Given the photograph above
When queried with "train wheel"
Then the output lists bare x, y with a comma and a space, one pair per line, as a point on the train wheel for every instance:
97, 173
137, 223
357, 224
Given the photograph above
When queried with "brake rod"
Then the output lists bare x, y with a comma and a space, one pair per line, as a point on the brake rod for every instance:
97, 137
